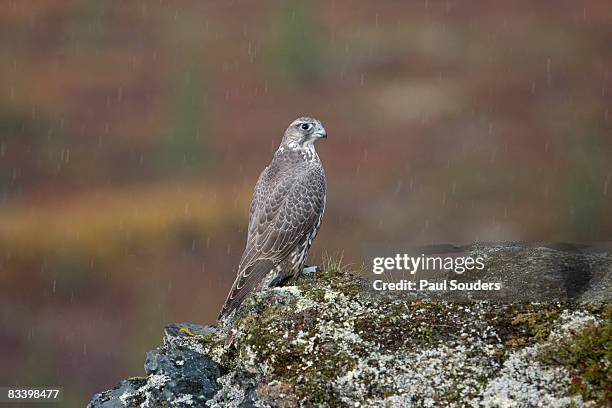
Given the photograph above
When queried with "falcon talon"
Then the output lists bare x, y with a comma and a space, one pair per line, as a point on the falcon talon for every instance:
285, 215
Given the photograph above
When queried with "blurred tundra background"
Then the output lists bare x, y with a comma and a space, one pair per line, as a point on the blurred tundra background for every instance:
132, 133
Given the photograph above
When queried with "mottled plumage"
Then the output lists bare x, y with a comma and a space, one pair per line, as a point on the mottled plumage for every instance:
285, 215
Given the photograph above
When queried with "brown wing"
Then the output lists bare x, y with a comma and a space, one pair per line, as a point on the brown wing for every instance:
282, 215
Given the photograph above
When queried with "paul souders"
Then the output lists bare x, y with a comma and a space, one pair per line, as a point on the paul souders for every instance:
456, 285
425, 285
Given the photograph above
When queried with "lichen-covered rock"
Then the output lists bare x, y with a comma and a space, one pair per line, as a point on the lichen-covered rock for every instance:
328, 342
178, 375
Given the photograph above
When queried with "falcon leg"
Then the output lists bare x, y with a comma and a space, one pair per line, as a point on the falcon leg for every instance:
311, 269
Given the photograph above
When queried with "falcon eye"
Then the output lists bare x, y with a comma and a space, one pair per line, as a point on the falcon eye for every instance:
306, 126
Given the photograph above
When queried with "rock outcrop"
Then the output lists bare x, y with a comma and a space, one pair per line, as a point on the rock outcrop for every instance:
330, 341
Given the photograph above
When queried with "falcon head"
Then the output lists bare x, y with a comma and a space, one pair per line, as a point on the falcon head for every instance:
303, 132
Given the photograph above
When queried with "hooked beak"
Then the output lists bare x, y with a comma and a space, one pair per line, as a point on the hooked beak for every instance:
320, 132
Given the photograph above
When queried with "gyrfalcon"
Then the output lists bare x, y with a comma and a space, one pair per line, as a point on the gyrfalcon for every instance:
285, 215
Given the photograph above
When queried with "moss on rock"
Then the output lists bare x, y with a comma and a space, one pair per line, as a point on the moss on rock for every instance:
587, 354
325, 341
333, 344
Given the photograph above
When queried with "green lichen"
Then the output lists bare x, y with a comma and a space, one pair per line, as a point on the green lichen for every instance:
267, 339
533, 322
588, 356
327, 338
